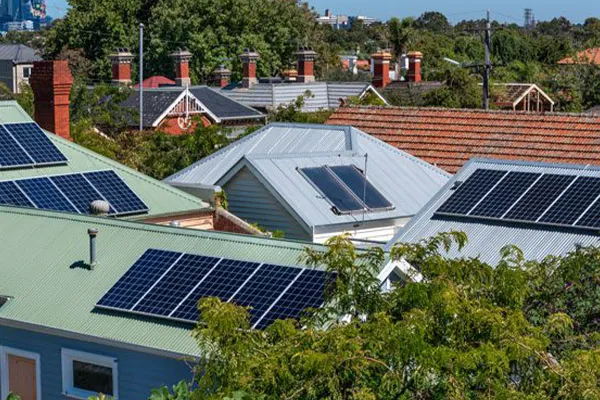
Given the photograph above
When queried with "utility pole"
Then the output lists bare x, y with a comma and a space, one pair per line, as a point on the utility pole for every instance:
141, 77
487, 65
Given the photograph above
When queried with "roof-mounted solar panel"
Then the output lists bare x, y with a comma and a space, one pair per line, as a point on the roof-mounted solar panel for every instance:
346, 188
168, 285
26, 145
566, 200
73, 193
12, 155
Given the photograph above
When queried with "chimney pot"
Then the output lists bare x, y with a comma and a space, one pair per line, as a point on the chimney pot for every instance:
51, 83
121, 61
249, 59
414, 66
222, 76
182, 67
381, 68
306, 64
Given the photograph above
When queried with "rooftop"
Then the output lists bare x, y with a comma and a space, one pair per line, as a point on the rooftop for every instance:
488, 235
450, 137
44, 271
277, 151
161, 198
18, 53
588, 56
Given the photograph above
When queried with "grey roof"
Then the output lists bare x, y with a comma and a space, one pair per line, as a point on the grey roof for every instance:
275, 152
156, 102
487, 238
18, 53
324, 95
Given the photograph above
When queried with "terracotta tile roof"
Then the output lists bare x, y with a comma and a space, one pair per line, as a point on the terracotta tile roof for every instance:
154, 82
450, 137
589, 56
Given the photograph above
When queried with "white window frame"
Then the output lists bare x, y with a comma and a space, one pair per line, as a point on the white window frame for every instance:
67, 358
9, 351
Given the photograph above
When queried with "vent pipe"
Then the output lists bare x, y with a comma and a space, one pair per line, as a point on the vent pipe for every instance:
92, 234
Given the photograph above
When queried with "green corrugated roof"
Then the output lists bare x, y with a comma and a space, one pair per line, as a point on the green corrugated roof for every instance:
161, 198
40, 251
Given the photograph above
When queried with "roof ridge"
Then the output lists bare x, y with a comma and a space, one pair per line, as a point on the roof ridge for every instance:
474, 111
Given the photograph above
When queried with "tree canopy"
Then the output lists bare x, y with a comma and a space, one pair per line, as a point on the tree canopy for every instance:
517, 330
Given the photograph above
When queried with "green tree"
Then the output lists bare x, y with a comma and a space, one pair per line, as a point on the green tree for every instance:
516, 330
402, 35
460, 90
433, 21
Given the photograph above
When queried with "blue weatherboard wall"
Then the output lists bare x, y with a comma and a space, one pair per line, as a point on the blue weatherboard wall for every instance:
139, 373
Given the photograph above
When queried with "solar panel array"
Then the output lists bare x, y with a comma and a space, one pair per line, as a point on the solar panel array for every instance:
26, 145
347, 189
168, 284
554, 199
72, 193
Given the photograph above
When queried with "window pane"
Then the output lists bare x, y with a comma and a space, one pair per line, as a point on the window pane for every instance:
361, 187
93, 378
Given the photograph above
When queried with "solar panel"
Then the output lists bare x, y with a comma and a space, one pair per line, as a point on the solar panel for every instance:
222, 282
36, 143
509, 190
11, 154
471, 191
361, 187
574, 202
541, 195
333, 190
11, 195
591, 218
308, 291
78, 190
265, 286
116, 192
44, 195
139, 279
174, 287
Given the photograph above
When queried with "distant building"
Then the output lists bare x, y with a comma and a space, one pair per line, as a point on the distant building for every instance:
16, 62
343, 21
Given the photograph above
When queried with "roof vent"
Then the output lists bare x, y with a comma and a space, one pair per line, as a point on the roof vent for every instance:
4, 300
99, 207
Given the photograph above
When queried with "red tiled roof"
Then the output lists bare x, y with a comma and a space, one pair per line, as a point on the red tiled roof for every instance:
589, 56
154, 82
450, 137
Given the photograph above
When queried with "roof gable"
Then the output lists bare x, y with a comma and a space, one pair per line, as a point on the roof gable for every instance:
450, 137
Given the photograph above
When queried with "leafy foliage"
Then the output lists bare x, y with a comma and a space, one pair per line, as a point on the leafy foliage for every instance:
517, 330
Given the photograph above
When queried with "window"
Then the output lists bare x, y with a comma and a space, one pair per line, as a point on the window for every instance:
86, 374
26, 72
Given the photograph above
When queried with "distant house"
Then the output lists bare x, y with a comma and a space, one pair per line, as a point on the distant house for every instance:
173, 108
521, 97
315, 181
589, 56
267, 94
542, 208
448, 138
16, 62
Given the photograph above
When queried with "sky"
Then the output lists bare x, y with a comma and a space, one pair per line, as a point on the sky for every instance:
502, 10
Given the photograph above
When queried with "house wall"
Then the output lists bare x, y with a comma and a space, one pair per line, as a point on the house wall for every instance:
251, 201
20, 78
138, 373
377, 231
7, 74
171, 126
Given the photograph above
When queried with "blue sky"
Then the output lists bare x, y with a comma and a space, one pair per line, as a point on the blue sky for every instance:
505, 10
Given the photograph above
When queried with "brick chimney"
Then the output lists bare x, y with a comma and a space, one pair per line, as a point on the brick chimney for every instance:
414, 66
249, 59
222, 76
182, 67
51, 83
306, 65
121, 66
381, 68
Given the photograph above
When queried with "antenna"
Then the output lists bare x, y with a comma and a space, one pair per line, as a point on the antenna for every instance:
488, 66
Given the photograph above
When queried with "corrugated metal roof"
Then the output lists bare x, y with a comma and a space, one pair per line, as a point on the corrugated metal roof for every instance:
276, 150
18, 53
160, 197
324, 95
486, 238
42, 268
